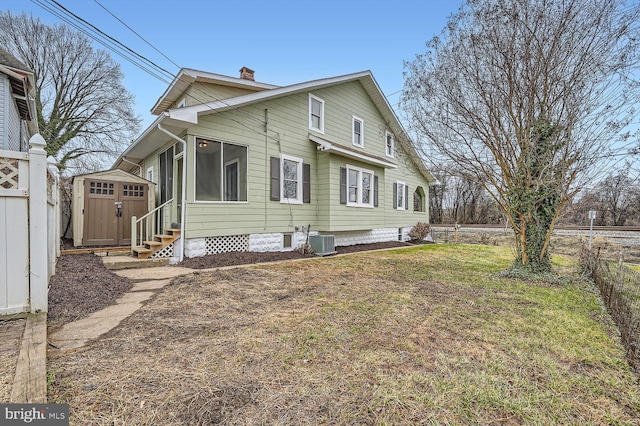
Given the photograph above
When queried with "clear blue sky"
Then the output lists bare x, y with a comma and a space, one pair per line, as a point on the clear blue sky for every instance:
284, 41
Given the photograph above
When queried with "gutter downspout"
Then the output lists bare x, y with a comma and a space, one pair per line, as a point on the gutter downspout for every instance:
184, 188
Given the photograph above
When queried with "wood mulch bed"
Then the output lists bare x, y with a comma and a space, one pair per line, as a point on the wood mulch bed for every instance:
245, 258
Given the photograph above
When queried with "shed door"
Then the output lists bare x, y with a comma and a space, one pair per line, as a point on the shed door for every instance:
108, 207
134, 203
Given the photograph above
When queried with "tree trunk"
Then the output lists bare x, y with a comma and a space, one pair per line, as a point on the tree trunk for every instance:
533, 230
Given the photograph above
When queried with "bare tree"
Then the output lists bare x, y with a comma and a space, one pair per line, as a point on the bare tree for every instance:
84, 112
436, 200
460, 200
531, 98
618, 197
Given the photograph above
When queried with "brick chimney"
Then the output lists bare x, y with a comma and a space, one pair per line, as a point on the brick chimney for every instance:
247, 73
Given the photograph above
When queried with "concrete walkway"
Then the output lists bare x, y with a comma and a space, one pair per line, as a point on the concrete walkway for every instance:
147, 281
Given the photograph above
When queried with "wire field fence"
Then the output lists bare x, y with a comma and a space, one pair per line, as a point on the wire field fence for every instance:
620, 290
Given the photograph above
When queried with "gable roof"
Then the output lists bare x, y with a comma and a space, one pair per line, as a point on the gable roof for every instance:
21, 79
188, 76
179, 119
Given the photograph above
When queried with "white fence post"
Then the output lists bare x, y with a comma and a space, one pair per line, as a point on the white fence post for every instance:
38, 269
53, 215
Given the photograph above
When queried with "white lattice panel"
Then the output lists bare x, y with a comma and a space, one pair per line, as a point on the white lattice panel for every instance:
9, 173
164, 253
227, 244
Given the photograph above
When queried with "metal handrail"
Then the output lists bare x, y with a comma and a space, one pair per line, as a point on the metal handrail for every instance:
138, 228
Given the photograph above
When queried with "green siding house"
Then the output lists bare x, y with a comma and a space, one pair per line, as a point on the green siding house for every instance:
247, 166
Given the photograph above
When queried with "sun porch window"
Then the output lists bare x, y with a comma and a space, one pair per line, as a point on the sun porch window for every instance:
221, 171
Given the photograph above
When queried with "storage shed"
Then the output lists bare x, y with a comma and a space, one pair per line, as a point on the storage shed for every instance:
103, 204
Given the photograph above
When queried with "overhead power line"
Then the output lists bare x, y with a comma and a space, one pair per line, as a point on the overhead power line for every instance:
138, 60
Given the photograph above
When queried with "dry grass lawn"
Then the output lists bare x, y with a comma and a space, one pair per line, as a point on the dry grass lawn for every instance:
426, 335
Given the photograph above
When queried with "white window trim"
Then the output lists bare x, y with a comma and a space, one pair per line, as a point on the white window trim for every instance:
359, 203
353, 131
194, 173
400, 188
393, 144
150, 174
321, 128
182, 103
297, 160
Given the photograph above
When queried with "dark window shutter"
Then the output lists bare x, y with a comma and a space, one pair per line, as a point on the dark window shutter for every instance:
306, 183
375, 191
275, 179
395, 195
343, 185
406, 197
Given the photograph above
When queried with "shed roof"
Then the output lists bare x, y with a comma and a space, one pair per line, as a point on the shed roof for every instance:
113, 174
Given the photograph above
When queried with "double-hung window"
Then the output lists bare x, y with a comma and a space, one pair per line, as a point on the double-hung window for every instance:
221, 171
389, 144
359, 187
291, 182
358, 131
316, 113
400, 196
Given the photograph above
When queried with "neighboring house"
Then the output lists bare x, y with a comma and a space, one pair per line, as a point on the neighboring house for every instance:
29, 209
256, 166
18, 121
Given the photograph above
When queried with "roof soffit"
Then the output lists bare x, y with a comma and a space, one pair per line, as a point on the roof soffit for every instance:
345, 151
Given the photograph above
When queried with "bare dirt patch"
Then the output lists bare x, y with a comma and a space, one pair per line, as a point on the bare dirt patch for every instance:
82, 285
378, 338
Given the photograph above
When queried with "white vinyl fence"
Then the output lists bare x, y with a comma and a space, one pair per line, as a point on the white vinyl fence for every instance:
29, 228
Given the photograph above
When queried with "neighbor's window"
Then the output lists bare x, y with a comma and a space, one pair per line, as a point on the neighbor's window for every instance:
291, 182
316, 113
359, 187
358, 131
221, 171
389, 144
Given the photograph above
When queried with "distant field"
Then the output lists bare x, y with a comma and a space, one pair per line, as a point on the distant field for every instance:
610, 244
424, 335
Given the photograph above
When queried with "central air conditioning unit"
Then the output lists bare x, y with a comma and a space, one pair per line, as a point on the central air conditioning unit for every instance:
323, 245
